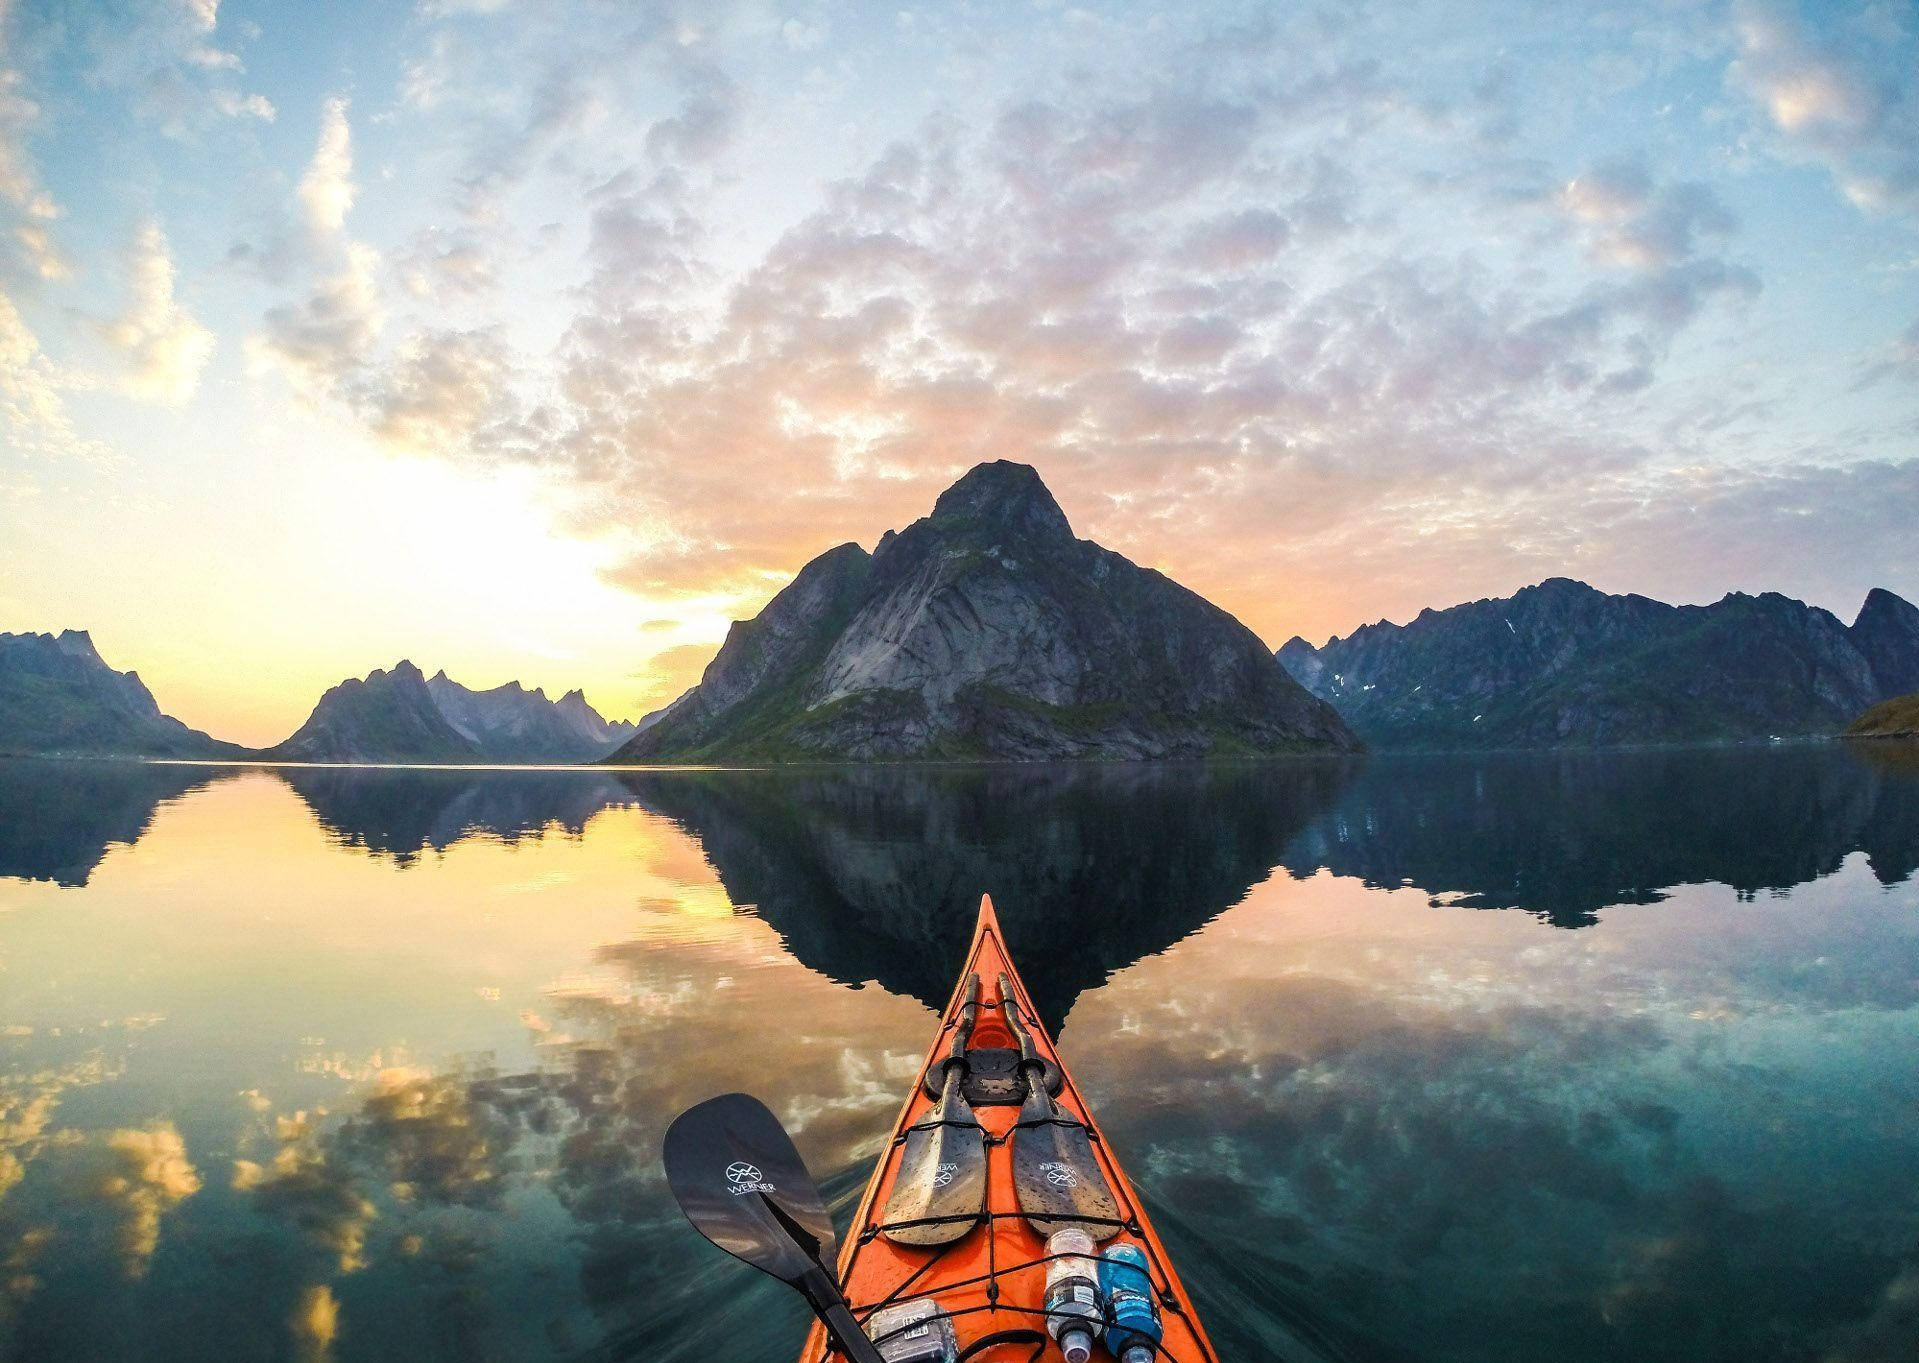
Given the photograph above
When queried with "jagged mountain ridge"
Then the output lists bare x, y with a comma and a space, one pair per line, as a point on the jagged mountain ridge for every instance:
58, 698
988, 630
402, 715
1564, 663
512, 723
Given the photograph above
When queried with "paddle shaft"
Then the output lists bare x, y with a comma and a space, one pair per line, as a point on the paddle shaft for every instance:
824, 1295
963, 1034
1029, 1057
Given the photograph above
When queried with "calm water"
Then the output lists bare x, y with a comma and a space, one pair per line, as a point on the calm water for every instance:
1504, 1058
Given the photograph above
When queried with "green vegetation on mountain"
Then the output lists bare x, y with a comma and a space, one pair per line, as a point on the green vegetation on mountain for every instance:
1895, 718
58, 698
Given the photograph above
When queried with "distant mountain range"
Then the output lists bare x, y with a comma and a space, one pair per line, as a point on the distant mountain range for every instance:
59, 698
403, 716
1562, 663
987, 630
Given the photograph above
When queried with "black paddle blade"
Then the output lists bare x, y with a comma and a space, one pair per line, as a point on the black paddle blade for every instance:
741, 1183
942, 1174
941, 1183
1058, 1180
1055, 1175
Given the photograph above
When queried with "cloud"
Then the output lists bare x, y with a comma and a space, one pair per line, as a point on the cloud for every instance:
671, 671
165, 348
321, 342
442, 9
141, 1174
1631, 222
706, 121
235, 105
315, 1322
1840, 96
440, 389
1900, 360
326, 190
1193, 296
163, 55
442, 265
31, 398
1246, 237
33, 208
321, 1195
565, 100
801, 36
936, 310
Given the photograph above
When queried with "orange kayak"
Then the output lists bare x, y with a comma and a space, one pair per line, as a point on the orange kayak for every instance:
989, 1280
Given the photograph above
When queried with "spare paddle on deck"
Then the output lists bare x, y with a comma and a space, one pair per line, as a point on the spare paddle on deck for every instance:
741, 1183
1057, 1178
939, 1193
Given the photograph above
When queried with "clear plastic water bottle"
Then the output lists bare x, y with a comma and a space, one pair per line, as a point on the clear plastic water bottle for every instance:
1072, 1293
1132, 1313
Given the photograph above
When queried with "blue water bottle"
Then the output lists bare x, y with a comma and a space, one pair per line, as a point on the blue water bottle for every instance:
1132, 1314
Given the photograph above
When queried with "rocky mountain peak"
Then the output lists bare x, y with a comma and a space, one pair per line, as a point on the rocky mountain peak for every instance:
1561, 662
1005, 499
1890, 606
399, 715
1560, 588
986, 630
58, 696
1887, 633
78, 643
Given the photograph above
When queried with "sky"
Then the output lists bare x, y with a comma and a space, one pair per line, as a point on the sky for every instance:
536, 340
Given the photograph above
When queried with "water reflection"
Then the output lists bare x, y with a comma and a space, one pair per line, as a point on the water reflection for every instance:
58, 819
1564, 836
1660, 1139
872, 874
374, 1065
401, 812
877, 874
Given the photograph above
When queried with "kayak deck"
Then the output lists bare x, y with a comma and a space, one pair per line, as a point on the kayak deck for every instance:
991, 1282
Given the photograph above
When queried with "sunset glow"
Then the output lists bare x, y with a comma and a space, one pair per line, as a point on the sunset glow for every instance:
538, 341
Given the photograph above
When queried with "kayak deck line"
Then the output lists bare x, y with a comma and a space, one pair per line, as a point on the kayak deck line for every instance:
989, 1280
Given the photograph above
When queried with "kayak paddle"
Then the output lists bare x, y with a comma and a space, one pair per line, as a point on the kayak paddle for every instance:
741, 1183
1058, 1180
939, 1193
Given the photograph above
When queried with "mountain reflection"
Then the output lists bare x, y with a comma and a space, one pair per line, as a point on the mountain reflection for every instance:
59, 818
876, 874
400, 812
1564, 836
873, 873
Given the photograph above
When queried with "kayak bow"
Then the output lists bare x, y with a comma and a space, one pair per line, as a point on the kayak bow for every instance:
989, 1278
